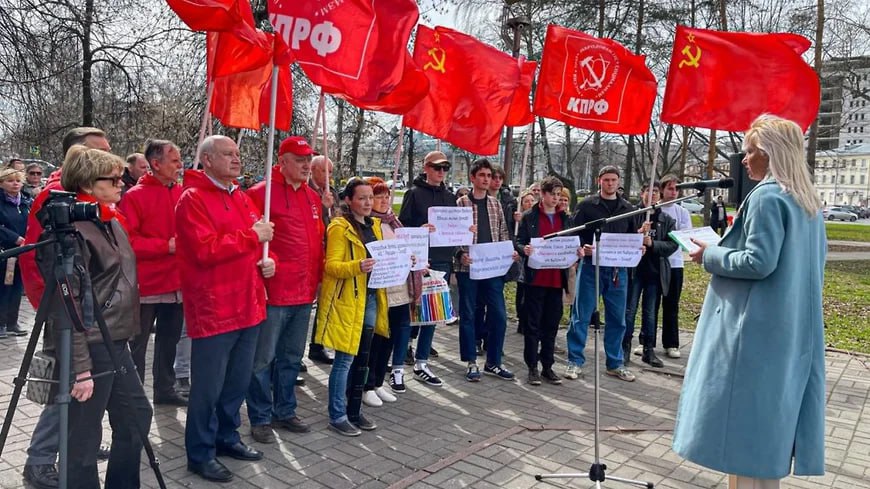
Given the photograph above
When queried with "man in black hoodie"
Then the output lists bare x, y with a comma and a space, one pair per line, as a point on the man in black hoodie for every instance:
429, 190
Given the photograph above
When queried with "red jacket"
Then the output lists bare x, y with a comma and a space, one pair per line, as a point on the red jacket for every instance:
217, 254
34, 286
298, 242
149, 208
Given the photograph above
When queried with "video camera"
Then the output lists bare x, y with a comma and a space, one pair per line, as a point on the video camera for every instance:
61, 210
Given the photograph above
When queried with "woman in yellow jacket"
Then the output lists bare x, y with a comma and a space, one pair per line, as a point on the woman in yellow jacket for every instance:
348, 310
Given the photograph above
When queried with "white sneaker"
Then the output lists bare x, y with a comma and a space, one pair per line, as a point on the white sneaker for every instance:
673, 352
371, 399
572, 371
385, 395
639, 351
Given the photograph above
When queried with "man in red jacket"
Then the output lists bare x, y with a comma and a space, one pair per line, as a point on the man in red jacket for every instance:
220, 258
298, 245
150, 211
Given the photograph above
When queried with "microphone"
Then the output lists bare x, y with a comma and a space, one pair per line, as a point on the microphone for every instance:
705, 184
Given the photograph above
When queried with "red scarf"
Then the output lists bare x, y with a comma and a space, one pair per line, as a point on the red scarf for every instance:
107, 212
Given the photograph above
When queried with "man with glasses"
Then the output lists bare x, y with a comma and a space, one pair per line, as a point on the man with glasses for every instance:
32, 180
428, 190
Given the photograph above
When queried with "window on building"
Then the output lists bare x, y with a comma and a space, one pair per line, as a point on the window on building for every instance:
842, 179
862, 179
851, 179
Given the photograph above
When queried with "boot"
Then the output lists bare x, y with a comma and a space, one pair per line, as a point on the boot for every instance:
649, 356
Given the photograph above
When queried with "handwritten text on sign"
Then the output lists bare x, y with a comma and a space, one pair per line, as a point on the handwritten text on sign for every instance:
418, 244
392, 263
491, 259
451, 226
558, 252
620, 249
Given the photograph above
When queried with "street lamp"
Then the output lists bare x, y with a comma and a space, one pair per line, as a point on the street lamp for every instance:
516, 25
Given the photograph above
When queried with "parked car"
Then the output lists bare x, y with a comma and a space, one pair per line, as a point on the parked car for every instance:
838, 213
693, 206
858, 211
399, 184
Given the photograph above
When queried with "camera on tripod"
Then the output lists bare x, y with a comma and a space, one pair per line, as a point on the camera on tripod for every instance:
61, 210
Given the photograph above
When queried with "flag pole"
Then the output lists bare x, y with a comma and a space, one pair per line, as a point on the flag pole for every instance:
270, 153
323, 144
206, 121
652, 178
526, 149
316, 132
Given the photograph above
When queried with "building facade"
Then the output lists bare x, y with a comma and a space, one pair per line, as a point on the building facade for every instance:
842, 175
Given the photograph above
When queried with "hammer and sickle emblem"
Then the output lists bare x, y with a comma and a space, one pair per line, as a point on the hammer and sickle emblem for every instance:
438, 57
691, 60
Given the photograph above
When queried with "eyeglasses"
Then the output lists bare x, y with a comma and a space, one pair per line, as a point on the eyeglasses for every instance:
35, 173
115, 180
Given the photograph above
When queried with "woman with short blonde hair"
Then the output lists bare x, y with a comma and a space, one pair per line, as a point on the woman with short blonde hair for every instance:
83, 167
14, 208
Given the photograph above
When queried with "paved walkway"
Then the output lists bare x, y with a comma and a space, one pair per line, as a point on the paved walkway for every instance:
494, 434
860, 251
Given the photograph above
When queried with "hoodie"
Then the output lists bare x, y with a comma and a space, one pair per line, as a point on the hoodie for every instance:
415, 210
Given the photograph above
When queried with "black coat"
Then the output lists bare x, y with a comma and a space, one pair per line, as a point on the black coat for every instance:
655, 260
415, 210
13, 220
530, 228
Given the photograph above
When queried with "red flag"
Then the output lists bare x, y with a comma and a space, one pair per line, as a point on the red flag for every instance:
348, 47
594, 83
413, 87
724, 80
217, 16
471, 85
520, 113
242, 99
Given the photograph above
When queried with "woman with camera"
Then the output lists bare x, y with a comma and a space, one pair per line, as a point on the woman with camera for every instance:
104, 261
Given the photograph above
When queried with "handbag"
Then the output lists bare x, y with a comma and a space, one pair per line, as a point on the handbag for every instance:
434, 305
42, 367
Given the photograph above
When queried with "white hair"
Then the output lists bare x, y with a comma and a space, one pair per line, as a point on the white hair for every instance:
207, 146
783, 142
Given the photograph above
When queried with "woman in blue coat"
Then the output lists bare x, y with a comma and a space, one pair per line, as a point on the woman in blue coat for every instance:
753, 399
14, 208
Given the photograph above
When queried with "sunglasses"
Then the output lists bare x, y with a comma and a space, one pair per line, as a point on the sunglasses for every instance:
35, 173
440, 167
115, 180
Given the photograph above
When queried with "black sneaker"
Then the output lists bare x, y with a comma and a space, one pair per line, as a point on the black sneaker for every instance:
409, 356
397, 382
182, 385
649, 356
498, 371
426, 376
345, 428
433, 353
41, 476
3, 332
363, 423
534, 377
551, 376
16, 330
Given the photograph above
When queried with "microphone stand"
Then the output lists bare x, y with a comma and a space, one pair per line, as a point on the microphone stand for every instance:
597, 469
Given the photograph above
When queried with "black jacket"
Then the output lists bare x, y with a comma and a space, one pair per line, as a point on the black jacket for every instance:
530, 228
654, 263
415, 210
592, 208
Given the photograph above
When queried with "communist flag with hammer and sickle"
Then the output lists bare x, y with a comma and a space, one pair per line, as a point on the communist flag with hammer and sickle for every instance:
471, 87
724, 80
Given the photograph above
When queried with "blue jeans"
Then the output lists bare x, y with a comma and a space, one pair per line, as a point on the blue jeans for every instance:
400, 333
220, 368
182, 355
45, 438
613, 283
491, 292
277, 360
337, 387
652, 298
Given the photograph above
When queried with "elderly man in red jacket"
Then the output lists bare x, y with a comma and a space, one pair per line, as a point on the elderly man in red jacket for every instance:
220, 258
150, 211
298, 246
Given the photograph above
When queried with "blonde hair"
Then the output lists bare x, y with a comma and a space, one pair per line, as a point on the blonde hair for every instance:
783, 142
82, 166
11, 174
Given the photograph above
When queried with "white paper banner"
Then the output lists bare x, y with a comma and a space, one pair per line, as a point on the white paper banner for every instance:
490, 260
418, 245
451, 226
559, 252
705, 235
392, 263
620, 249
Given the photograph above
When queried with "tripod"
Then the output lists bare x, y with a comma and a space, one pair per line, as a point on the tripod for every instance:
597, 471
64, 240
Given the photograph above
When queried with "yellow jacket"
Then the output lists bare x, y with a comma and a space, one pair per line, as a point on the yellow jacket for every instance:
342, 302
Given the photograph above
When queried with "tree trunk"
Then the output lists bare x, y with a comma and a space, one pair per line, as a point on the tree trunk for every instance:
711, 150
568, 171
813, 142
357, 137
630, 154
87, 64
547, 158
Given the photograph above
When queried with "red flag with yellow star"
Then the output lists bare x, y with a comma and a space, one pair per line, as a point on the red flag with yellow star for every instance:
724, 80
471, 87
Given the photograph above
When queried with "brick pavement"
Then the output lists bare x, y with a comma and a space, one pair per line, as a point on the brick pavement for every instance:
487, 435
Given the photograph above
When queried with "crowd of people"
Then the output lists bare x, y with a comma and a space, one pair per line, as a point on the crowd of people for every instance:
181, 254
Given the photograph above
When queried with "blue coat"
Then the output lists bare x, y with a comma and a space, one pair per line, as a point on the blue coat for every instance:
754, 392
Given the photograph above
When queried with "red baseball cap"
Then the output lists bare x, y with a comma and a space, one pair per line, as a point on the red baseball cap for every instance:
296, 145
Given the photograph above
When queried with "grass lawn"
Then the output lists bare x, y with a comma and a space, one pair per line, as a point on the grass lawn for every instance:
836, 231
846, 303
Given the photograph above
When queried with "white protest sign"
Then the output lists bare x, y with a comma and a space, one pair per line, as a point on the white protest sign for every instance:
490, 260
705, 235
620, 249
451, 226
559, 252
392, 263
418, 244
